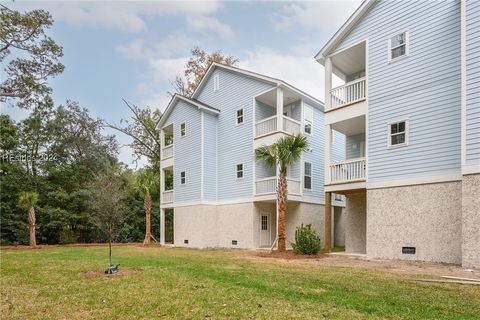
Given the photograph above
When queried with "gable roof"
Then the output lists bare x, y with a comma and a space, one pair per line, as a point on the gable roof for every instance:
344, 30
178, 97
254, 75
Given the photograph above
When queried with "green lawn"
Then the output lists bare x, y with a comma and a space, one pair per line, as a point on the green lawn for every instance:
196, 284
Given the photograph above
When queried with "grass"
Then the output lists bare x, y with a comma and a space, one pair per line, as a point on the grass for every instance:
193, 284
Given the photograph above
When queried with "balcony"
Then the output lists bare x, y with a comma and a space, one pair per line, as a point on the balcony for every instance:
167, 152
167, 196
349, 93
269, 186
352, 170
269, 125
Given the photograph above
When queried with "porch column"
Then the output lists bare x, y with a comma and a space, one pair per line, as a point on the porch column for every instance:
328, 82
328, 150
279, 109
328, 221
162, 227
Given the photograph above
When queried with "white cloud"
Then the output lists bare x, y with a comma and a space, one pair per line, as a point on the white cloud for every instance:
209, 23
302, 72
134, 50
321, 15
125, 16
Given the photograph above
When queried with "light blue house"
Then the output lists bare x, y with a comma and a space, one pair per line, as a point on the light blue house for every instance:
403, 86
222, 197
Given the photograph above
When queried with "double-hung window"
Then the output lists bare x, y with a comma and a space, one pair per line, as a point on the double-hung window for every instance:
239, 116
239, 168
183, 177
398, 133
307, 175
216, 82
398, 46
183, 129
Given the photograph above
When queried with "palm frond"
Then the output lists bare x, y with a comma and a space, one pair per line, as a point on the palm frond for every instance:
268, 155
28, 199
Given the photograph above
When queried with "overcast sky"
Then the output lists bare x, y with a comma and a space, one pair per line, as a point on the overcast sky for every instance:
132, 50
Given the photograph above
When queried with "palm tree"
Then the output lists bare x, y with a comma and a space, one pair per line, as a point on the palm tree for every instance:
146, 183
28, 200
283, 153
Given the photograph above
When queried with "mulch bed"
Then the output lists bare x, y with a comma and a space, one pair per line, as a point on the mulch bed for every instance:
290, 255
121, 272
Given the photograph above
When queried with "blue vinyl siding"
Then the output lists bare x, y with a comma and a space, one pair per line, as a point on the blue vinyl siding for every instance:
210, 157
338, 146
296, 111
235, 143
431, 102
263, 111
315, 156
352, 145
187, 151
473, 82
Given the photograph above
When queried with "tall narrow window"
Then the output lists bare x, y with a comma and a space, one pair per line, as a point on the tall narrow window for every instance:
307, 119
398, 45
239, 116
183, 129
239, 170
216, 82
307, 175
398, 134
183, 177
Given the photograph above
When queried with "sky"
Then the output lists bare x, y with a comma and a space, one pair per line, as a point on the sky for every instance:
133, 50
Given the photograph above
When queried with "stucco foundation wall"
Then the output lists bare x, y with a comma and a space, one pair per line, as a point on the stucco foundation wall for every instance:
235, 222
306, 213
355, 223
427, 217
471, 221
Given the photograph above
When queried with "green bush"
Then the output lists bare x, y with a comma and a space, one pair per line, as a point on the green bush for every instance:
306, 240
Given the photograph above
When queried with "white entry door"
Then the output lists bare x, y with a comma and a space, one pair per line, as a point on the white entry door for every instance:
265, 236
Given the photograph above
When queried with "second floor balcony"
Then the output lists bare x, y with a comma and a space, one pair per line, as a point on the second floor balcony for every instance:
167, 196
271, 125
351, 170
268, 186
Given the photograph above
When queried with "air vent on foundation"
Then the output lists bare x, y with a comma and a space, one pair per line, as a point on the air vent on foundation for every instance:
234, 242
185, 241
408, 250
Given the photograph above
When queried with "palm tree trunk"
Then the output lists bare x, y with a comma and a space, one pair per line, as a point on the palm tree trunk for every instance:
31, 226
282, 208
147, 204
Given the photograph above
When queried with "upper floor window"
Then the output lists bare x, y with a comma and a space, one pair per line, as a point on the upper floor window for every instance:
239, 114
183, 129
307, 175
183, 177
307, 119
398, 133
216, 82
239, 168
398, 46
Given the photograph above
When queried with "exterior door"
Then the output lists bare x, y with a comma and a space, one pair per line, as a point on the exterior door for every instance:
265, 236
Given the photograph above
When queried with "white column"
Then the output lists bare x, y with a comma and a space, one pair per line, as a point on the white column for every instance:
328, 83
279, 109
328, 150
162, 227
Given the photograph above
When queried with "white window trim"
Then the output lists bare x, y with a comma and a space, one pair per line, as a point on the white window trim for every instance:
236, 171
216, 82
236, 117
407, 46
183, 184
183, 135
311, 124
407, 133
311, 176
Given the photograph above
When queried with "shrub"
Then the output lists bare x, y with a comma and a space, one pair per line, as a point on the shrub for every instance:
306, 240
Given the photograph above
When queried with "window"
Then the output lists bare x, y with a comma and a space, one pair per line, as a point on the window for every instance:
398, 46
239, 116
307, 175
398, 133
239, 168
307, 119
216, 82
183, 177
264, 223
183, 129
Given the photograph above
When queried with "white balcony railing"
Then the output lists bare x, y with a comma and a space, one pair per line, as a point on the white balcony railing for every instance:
269, 186
348, 170
167, 151
167, 196
269, 125
348, 93
266, 126
291, 125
